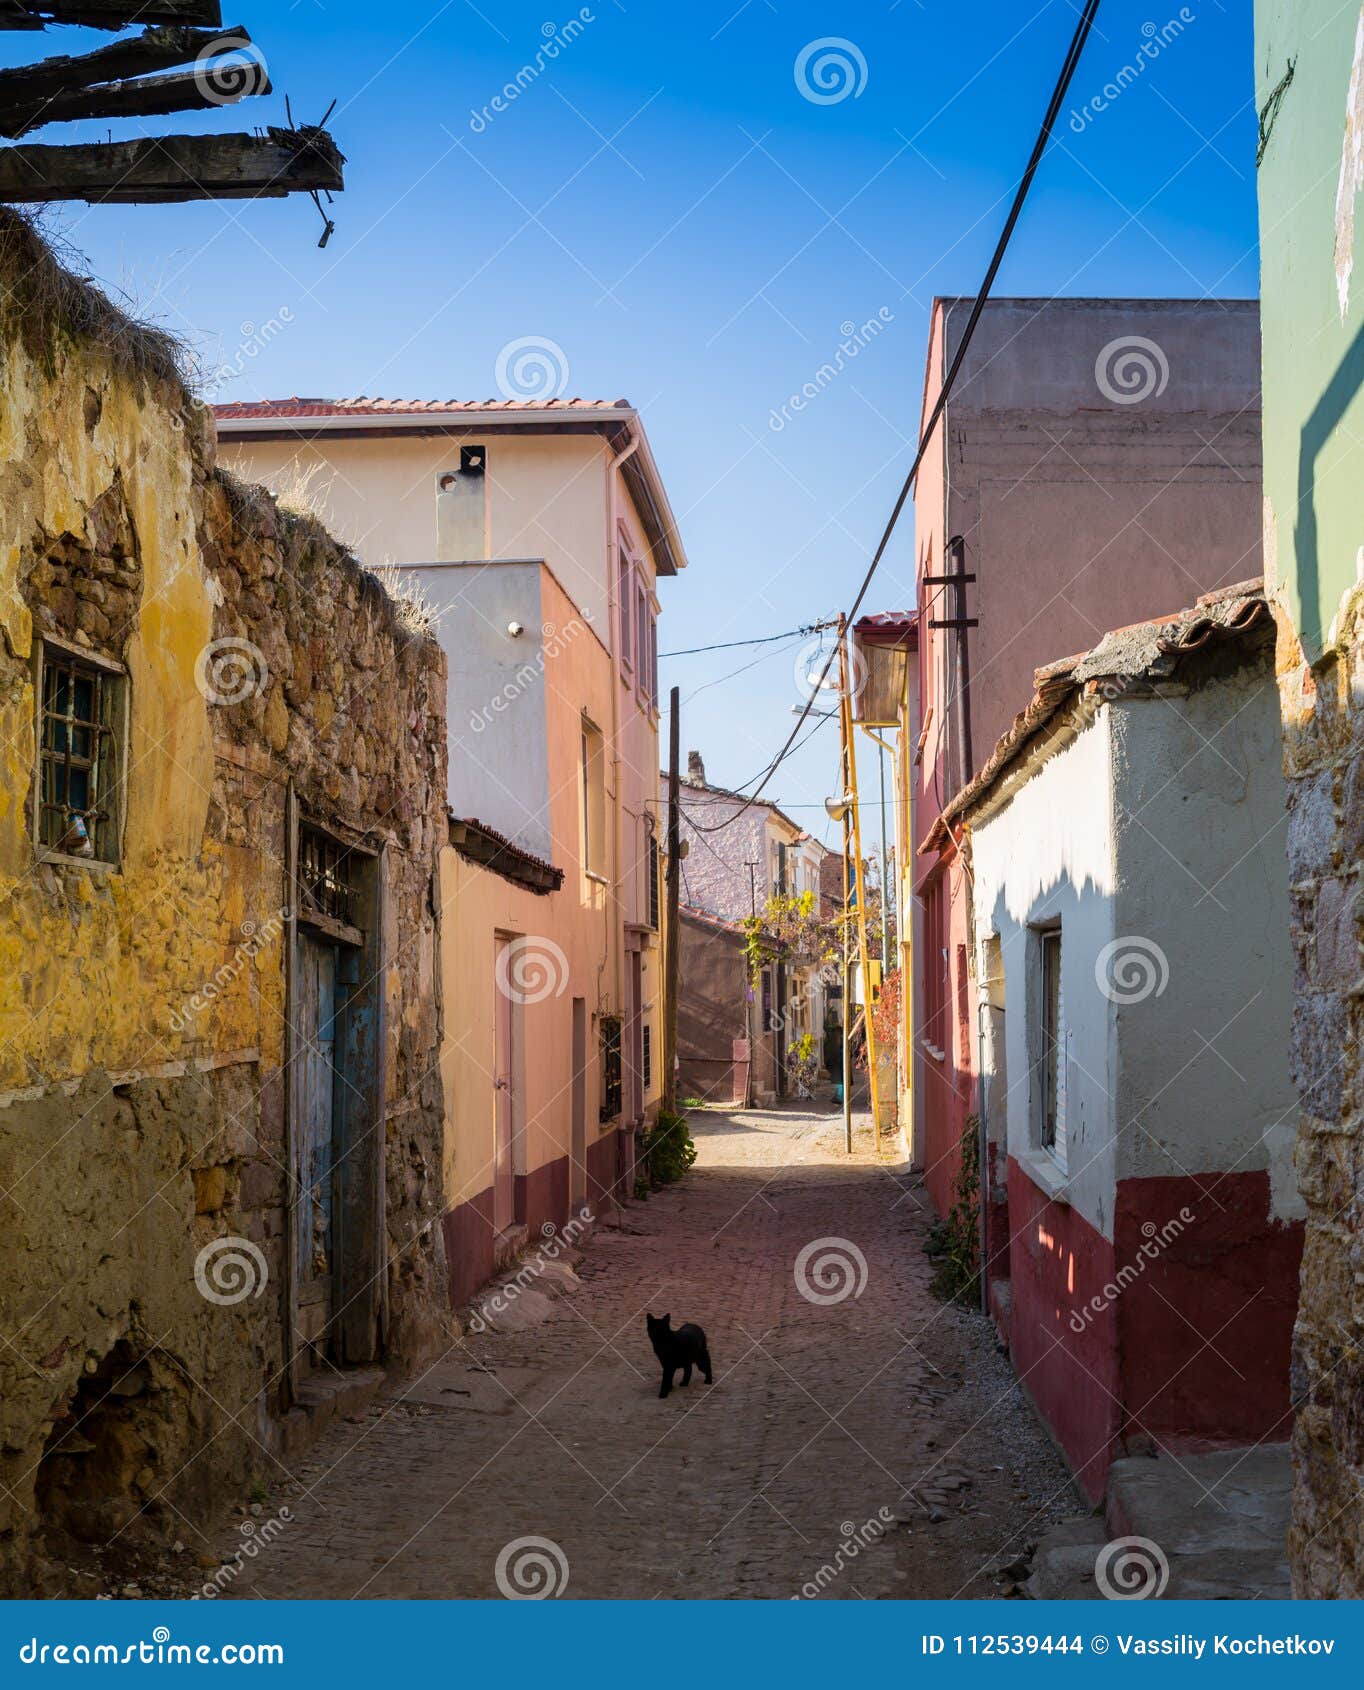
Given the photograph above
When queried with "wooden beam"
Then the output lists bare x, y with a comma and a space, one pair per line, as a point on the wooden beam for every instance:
109, 14
211, 85
159, 49
163, 169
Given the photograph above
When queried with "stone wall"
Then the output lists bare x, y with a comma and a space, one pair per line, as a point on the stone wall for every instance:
146, 1379
1324, 764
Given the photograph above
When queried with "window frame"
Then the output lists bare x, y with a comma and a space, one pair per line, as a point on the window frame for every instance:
1049, 1043
111, 719
592, 794
626, 572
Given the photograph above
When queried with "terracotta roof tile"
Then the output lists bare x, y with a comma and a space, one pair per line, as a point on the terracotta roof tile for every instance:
267, 410
1143, 651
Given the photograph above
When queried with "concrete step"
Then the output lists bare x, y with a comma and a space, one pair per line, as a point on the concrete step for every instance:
1210, 1528
1063, 1568
325, 1397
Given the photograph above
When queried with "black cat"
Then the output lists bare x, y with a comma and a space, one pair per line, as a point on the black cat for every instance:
685, 1348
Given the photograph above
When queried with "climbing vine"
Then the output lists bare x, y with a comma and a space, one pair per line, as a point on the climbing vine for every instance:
954, 1243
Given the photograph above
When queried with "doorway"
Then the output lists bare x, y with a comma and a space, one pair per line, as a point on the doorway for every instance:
508, 1044
577, 1171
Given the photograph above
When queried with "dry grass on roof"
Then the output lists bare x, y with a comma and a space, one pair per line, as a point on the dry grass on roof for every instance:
42, 303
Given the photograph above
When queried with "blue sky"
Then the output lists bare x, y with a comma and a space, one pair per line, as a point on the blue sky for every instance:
664, 203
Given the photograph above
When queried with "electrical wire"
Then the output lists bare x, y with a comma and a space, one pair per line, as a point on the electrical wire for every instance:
1063, 81
763, 639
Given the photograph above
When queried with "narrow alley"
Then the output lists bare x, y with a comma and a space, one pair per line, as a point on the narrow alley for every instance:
861, 1439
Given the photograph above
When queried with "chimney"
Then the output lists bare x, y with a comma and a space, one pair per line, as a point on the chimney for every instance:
696, 769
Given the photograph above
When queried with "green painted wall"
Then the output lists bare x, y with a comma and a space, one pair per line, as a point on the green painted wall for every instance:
1311, 222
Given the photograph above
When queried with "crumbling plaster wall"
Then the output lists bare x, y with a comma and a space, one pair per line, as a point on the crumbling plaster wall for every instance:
142, 1005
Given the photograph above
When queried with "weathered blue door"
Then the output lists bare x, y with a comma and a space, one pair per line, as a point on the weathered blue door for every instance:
317, 1034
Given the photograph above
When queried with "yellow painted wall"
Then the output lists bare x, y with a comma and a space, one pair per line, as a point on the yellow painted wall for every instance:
97, 965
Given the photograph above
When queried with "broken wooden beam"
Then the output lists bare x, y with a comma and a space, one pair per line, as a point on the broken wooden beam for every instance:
157, 49
110, 14
220, 82
165, 169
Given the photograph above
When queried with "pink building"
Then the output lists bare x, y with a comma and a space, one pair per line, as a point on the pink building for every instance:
1098, 464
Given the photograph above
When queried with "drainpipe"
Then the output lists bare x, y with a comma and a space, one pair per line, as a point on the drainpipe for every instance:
612, 599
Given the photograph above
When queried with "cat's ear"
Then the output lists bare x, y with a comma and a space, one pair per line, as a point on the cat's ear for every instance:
664, 1319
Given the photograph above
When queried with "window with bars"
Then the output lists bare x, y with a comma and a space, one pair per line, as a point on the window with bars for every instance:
326, 875
655, 875
80, 717
647, 1062
611, 1069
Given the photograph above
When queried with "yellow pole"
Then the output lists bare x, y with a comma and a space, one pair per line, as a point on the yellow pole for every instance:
846, 704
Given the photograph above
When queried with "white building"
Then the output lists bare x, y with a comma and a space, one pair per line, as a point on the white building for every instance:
1130, 916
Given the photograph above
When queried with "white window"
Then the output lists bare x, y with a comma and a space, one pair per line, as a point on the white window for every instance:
625, 602
1051, 1046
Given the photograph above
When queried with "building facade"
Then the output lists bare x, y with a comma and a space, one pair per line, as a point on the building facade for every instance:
1310, 76
536, 536
220, 818
1129, 915
1097, 464
740, 856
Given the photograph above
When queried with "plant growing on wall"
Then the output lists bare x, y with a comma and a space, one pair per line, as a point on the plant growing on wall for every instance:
954, 1242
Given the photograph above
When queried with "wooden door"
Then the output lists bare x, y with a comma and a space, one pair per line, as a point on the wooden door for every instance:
504, 1093
316, 1016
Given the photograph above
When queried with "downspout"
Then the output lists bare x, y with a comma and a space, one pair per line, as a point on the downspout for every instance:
612, 598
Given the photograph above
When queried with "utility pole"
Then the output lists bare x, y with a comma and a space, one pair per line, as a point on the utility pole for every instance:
846, 704
672, 959
847, 927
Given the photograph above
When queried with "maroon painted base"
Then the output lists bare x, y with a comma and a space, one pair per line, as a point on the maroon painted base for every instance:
1175, 1336
541, 1201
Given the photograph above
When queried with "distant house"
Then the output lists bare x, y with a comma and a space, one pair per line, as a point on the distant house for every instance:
1124, 841
537, 534
738, 1038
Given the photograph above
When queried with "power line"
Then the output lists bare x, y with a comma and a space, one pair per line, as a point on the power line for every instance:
764, 639
1063, 81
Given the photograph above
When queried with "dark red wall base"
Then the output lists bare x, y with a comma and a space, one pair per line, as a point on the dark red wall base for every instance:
1176, 1336
541, 1200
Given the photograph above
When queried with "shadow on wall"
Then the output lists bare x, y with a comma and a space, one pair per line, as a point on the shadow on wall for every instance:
1326, 417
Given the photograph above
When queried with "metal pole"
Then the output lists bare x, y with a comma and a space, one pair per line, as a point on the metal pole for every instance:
672, 964
847, 937
859, 878
885, 878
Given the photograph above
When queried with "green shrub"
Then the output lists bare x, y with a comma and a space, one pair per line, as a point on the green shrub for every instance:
668, 1150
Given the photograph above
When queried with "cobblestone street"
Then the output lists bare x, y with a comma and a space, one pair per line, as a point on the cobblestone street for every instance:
875, 1434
